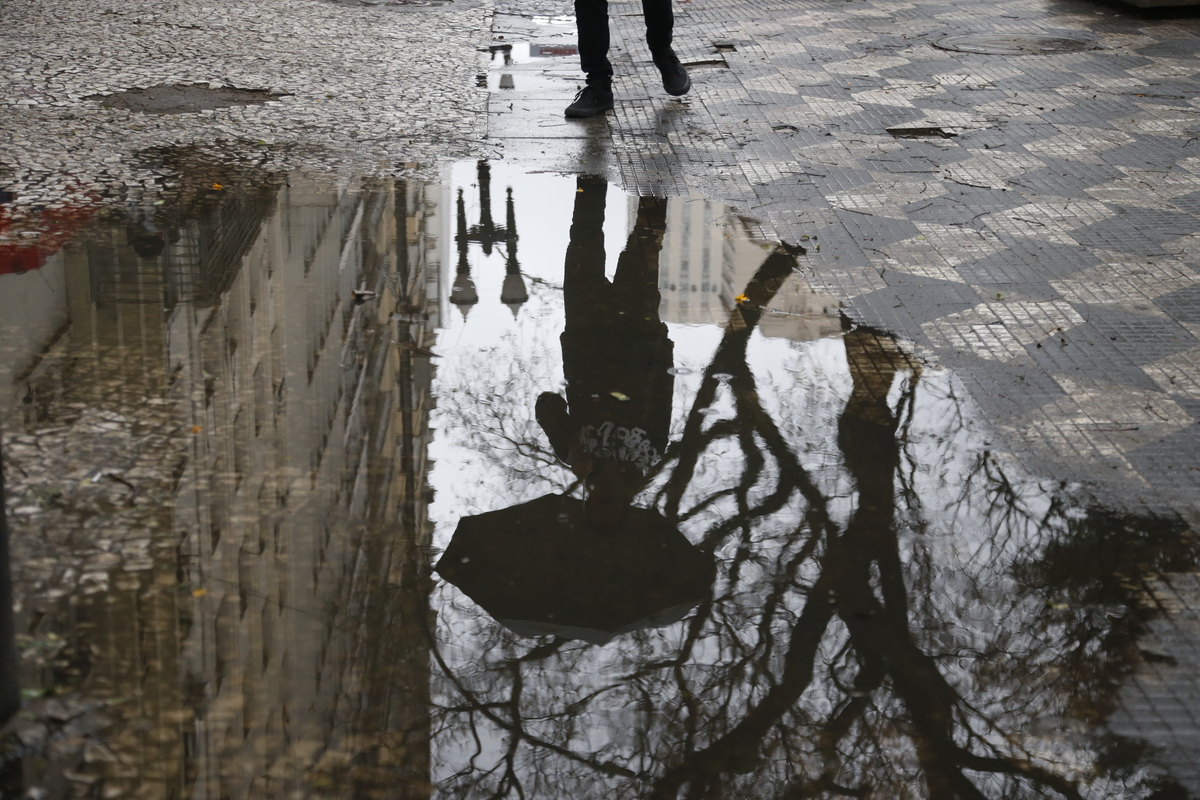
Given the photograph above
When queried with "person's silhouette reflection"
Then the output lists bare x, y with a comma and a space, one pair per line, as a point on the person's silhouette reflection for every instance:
617, 357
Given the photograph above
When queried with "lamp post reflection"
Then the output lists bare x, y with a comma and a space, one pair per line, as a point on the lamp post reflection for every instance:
488, 235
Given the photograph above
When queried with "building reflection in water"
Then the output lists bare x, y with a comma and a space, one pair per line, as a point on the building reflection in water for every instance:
226, 405
10, 690
263, 633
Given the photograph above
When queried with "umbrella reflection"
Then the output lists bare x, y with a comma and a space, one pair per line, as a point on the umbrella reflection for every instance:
541, 568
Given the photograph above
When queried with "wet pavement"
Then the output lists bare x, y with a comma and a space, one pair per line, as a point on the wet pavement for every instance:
341, 78
829, 431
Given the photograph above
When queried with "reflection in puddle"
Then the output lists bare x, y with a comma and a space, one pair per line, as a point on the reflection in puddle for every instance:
513, 65
508, 54
735, 548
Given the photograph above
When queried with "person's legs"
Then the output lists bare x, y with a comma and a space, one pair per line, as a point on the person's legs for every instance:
586, 292
660, 22
591, 20
636, 279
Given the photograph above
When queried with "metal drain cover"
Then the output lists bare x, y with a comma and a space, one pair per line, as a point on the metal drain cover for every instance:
1014, 44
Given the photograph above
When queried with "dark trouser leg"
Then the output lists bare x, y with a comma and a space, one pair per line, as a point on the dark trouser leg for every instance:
636, 281
591, 20
660, 21
586, 292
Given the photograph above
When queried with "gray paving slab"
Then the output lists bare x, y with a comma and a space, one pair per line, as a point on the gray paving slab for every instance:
1183, 305
1048, 192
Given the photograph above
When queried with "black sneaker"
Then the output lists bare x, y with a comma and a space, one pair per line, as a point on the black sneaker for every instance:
592, 100
674, 77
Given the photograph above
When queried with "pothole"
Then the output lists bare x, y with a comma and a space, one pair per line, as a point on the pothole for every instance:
920, 132
1014, 44
181, 98
410, 5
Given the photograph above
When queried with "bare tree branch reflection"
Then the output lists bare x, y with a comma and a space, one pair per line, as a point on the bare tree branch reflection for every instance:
890, 623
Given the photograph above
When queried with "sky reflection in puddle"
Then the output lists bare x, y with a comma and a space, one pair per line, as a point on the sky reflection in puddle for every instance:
231, 477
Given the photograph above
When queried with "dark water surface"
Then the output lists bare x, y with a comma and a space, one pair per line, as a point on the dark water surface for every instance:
516, 486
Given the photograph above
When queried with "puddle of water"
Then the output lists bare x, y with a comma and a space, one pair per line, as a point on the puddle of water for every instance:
554, 20
1014, 44
514, 485
525, 82
527, 67
521, 53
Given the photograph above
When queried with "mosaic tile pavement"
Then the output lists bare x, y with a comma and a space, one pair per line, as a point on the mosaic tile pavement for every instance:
343, 77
